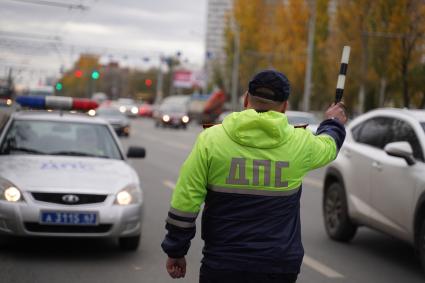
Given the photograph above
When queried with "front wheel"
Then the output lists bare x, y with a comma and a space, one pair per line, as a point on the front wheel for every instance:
335, 210
129, 243
421, 245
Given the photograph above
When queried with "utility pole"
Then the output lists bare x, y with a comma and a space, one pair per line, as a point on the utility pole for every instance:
235, 70
159, 80
310, 53
362, 90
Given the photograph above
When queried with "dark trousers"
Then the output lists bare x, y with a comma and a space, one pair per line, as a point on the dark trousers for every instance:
209, 275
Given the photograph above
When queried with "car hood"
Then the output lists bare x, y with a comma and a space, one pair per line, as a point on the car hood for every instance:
67, 174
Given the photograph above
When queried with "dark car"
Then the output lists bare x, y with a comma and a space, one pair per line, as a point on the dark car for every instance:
118, 120
172, 115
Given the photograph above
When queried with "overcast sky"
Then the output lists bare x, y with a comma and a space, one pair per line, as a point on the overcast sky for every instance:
124, 30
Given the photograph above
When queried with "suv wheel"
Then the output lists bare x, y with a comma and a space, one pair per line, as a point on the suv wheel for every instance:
129, 243
335, 209
421, 245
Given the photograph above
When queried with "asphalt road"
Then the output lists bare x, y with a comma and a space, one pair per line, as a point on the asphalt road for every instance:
370, 257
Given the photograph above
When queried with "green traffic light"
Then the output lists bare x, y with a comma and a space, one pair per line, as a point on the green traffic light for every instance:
59, 86
95, 75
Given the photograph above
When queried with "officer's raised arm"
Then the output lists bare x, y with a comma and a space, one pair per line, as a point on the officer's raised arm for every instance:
329, 137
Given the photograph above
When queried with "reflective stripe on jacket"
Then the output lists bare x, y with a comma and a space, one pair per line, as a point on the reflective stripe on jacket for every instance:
248, 171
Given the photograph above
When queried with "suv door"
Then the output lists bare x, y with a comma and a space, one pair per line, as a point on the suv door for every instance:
394, 183
368, 137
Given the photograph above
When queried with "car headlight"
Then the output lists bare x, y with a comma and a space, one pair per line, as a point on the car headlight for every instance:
9, 192
129, 195
134, 110
123, 109
185, 119
166, 118
92, 112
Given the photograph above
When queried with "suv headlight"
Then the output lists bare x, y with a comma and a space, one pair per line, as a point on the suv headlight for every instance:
9, 192
129, 195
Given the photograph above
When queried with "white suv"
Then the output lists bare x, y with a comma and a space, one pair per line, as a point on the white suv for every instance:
378, 179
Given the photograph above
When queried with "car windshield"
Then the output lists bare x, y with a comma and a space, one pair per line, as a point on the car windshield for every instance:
60, 138
109, 112
126, 101
172, 108
301, 119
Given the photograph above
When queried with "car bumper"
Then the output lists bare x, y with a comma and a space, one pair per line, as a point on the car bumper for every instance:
23, 219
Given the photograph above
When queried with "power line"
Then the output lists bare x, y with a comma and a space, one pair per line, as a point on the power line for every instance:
29, 36
55, 4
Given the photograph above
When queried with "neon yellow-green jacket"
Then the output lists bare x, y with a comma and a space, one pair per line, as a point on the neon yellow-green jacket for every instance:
248, 171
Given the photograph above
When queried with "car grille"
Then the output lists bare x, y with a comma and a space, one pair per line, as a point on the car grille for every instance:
58, 198
36, 227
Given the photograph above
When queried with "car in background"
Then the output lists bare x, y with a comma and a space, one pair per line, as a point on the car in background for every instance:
378, 178
40, 91
171, 115
222, 116
99, 97
66, 175
146, 110
127, 106
116, 119
299, 118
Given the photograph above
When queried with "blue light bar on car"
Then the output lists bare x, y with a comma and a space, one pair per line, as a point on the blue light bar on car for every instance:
56, 103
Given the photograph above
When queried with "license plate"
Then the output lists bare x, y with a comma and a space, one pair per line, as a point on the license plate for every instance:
68, 218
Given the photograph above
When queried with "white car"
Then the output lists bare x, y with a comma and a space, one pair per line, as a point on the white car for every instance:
299, 118
66, 175
127, 106
378, 179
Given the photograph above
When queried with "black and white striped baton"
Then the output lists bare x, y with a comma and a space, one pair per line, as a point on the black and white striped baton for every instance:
342, 72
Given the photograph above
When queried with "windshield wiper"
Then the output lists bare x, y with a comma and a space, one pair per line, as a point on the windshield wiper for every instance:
25, 149
78, 153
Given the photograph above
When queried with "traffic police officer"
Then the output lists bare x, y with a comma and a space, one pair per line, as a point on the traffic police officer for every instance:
248, 171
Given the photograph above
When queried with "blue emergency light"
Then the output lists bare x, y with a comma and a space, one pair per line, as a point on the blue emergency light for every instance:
56, 103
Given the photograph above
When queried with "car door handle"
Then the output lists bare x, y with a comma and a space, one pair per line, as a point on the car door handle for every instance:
377, 165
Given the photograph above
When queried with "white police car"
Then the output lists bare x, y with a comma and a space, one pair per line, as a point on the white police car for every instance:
378, 179
64, 174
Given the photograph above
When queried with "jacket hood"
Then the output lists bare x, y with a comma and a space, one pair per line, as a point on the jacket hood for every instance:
260, 130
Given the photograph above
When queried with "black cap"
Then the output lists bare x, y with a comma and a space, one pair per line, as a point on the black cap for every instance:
270, 84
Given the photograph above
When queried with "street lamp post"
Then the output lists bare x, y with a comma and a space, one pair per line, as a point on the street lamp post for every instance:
310, 50
159, 81
235, 69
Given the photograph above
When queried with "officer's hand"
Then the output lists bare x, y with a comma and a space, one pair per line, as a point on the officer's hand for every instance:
176, 267
337, 111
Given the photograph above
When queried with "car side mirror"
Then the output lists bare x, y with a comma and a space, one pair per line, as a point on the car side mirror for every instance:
136, 152
402, 150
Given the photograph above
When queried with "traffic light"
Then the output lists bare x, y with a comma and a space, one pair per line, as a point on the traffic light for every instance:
95, 75
59, 86
148, 82
78, 73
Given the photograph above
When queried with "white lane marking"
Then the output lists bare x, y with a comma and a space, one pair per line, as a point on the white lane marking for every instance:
169, 143
169, 184
313, 182
321, 268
